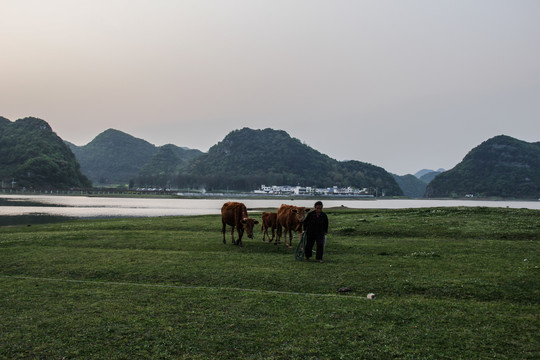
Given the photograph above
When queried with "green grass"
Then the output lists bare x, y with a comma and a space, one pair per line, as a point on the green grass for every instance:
450, 283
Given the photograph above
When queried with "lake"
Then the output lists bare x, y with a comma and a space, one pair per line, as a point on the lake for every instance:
57, 207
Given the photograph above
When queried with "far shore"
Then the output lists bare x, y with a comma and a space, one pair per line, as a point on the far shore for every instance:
221, 195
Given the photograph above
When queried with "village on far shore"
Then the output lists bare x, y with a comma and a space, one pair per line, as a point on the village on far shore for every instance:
282, 190
308, 190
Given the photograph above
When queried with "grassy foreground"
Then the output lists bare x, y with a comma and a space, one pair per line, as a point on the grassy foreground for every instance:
450, 283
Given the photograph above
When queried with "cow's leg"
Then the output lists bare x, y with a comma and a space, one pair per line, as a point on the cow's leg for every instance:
278, 235
290, 239
223, 231
265, 231
240, 233
232, 235
273, 234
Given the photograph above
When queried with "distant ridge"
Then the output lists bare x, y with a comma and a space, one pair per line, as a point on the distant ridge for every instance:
247, 158
422, 172
244, 160
426, 175
113, 157
169, 162
33, 156
410, 185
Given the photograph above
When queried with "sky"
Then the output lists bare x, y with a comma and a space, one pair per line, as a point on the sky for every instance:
404, 85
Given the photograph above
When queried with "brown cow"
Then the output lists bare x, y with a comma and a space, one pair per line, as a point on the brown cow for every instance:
235, 214
269, 220
290, 217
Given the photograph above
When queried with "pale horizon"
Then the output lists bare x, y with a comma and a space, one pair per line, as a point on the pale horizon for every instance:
401, 85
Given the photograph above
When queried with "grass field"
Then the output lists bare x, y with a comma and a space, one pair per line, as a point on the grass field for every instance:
450, 283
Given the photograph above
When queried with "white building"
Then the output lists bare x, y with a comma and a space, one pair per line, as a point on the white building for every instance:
308, 190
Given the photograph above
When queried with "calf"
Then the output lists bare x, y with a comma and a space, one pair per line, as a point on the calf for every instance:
269, 220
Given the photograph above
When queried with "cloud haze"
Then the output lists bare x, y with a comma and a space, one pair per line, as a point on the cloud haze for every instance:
404, 85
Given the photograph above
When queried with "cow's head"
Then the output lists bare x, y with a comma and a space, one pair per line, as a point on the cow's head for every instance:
300, 212
248, 225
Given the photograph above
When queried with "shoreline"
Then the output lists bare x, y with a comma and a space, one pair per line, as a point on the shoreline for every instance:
239, 195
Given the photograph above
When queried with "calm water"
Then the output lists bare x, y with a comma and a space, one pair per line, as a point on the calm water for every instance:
99, 207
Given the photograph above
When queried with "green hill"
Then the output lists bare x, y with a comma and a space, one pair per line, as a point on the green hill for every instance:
166, 165
33, 156
411, 185
428, 177
113, 157
247, 158
3, 122
499, 167
363, 175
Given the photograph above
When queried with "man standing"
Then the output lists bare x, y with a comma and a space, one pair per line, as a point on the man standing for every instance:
316, 227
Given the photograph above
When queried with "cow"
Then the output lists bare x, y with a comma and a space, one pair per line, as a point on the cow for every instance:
290, 217
269, 220
235, 214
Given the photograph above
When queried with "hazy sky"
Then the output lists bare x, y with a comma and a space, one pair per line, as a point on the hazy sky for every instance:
401, 84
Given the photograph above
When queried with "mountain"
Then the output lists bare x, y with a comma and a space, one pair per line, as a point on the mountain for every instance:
113, 157
499, 167
247, 158
4, 122
422, 172
410, 185
269, 153
33, 156
363, 175
428, 177
169, 161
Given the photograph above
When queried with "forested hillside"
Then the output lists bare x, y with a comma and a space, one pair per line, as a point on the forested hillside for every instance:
116, 158
411, 185
33, 156
247, 158
3, 122
427, 178
166, 165
499, 167
113, 157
